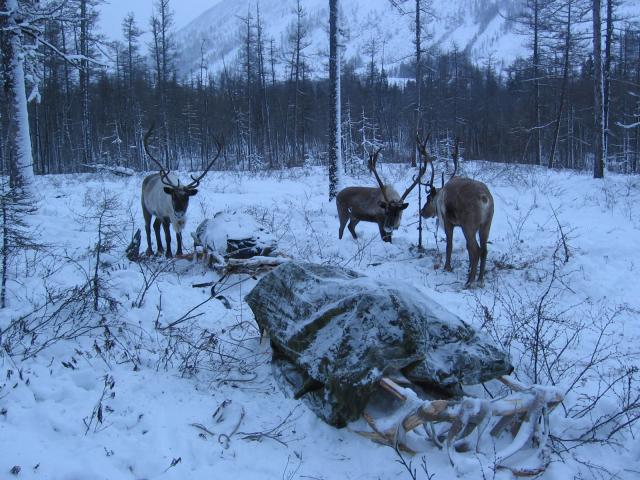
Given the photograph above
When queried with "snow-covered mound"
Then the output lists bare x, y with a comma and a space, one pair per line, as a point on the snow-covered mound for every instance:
233, 234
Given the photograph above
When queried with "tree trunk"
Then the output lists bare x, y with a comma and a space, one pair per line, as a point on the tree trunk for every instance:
335, 154
598, 113
607, 76
416, 119
84, 82
21, 172
563, 88
536, 81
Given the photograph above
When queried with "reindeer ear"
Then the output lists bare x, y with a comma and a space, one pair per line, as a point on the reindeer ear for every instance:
383, 205
192, 191
168, 190
404, 205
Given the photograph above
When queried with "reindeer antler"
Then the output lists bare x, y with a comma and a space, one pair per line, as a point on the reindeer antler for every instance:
196, 181
164, 174
422, 150
455, 155
373, 160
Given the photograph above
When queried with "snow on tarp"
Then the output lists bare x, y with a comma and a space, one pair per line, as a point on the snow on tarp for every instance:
236, 235
343, 332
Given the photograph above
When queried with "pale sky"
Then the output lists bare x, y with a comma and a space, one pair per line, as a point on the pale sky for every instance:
113, 11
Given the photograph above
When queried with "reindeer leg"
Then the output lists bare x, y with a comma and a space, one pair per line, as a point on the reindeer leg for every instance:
484, 238
352, 227
156, 229
448, 231
179, 241
343, 223
474, 255
167, 236
147, 229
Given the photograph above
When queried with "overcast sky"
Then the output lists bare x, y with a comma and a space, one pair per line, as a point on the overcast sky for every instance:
113, 11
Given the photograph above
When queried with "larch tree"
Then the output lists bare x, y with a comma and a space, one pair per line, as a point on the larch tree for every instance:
20, 154
421, 7
335, 127
598, 110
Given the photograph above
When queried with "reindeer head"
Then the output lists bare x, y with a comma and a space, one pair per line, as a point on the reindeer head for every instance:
392, 205
392, 213
180, 194
179, 197
429, 210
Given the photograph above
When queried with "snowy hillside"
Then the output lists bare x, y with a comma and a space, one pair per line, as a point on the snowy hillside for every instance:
129, 398
476, 26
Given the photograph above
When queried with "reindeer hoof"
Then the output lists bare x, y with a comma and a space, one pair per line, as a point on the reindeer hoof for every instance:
149, 252
448, 268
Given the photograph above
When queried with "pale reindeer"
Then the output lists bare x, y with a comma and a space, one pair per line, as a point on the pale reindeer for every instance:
381, 205
461, 202
165, 199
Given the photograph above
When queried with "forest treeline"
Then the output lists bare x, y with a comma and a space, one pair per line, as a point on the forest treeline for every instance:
271, 105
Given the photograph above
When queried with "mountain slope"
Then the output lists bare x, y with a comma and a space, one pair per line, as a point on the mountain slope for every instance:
473, 25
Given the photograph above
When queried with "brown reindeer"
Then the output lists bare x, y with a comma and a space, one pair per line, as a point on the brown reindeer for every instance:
165, 199
465, 203
381, 205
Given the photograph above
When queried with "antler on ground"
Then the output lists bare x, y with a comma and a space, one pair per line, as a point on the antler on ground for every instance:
526, 411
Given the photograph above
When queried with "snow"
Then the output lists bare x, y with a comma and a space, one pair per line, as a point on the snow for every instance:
150, 413
463, 23
214, 233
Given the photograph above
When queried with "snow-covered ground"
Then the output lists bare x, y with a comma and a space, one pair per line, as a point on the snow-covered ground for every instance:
113, 403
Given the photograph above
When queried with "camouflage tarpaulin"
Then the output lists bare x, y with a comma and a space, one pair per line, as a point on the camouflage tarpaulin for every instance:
343, 332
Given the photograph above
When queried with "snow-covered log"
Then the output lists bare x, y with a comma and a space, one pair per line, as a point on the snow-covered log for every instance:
116, 170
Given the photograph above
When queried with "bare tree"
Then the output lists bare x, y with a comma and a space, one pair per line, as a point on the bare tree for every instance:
335, 127
598, 111
19, 138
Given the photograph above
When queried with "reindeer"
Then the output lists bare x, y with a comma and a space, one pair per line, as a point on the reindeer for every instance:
381, 205
465, 203
165, 199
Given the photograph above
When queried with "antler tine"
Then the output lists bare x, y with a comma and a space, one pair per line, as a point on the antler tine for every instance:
456, 154
196, 181
421, 172
164, 174
373, 160
422, 148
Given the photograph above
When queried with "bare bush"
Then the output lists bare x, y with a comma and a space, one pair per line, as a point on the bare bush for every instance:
572, 344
